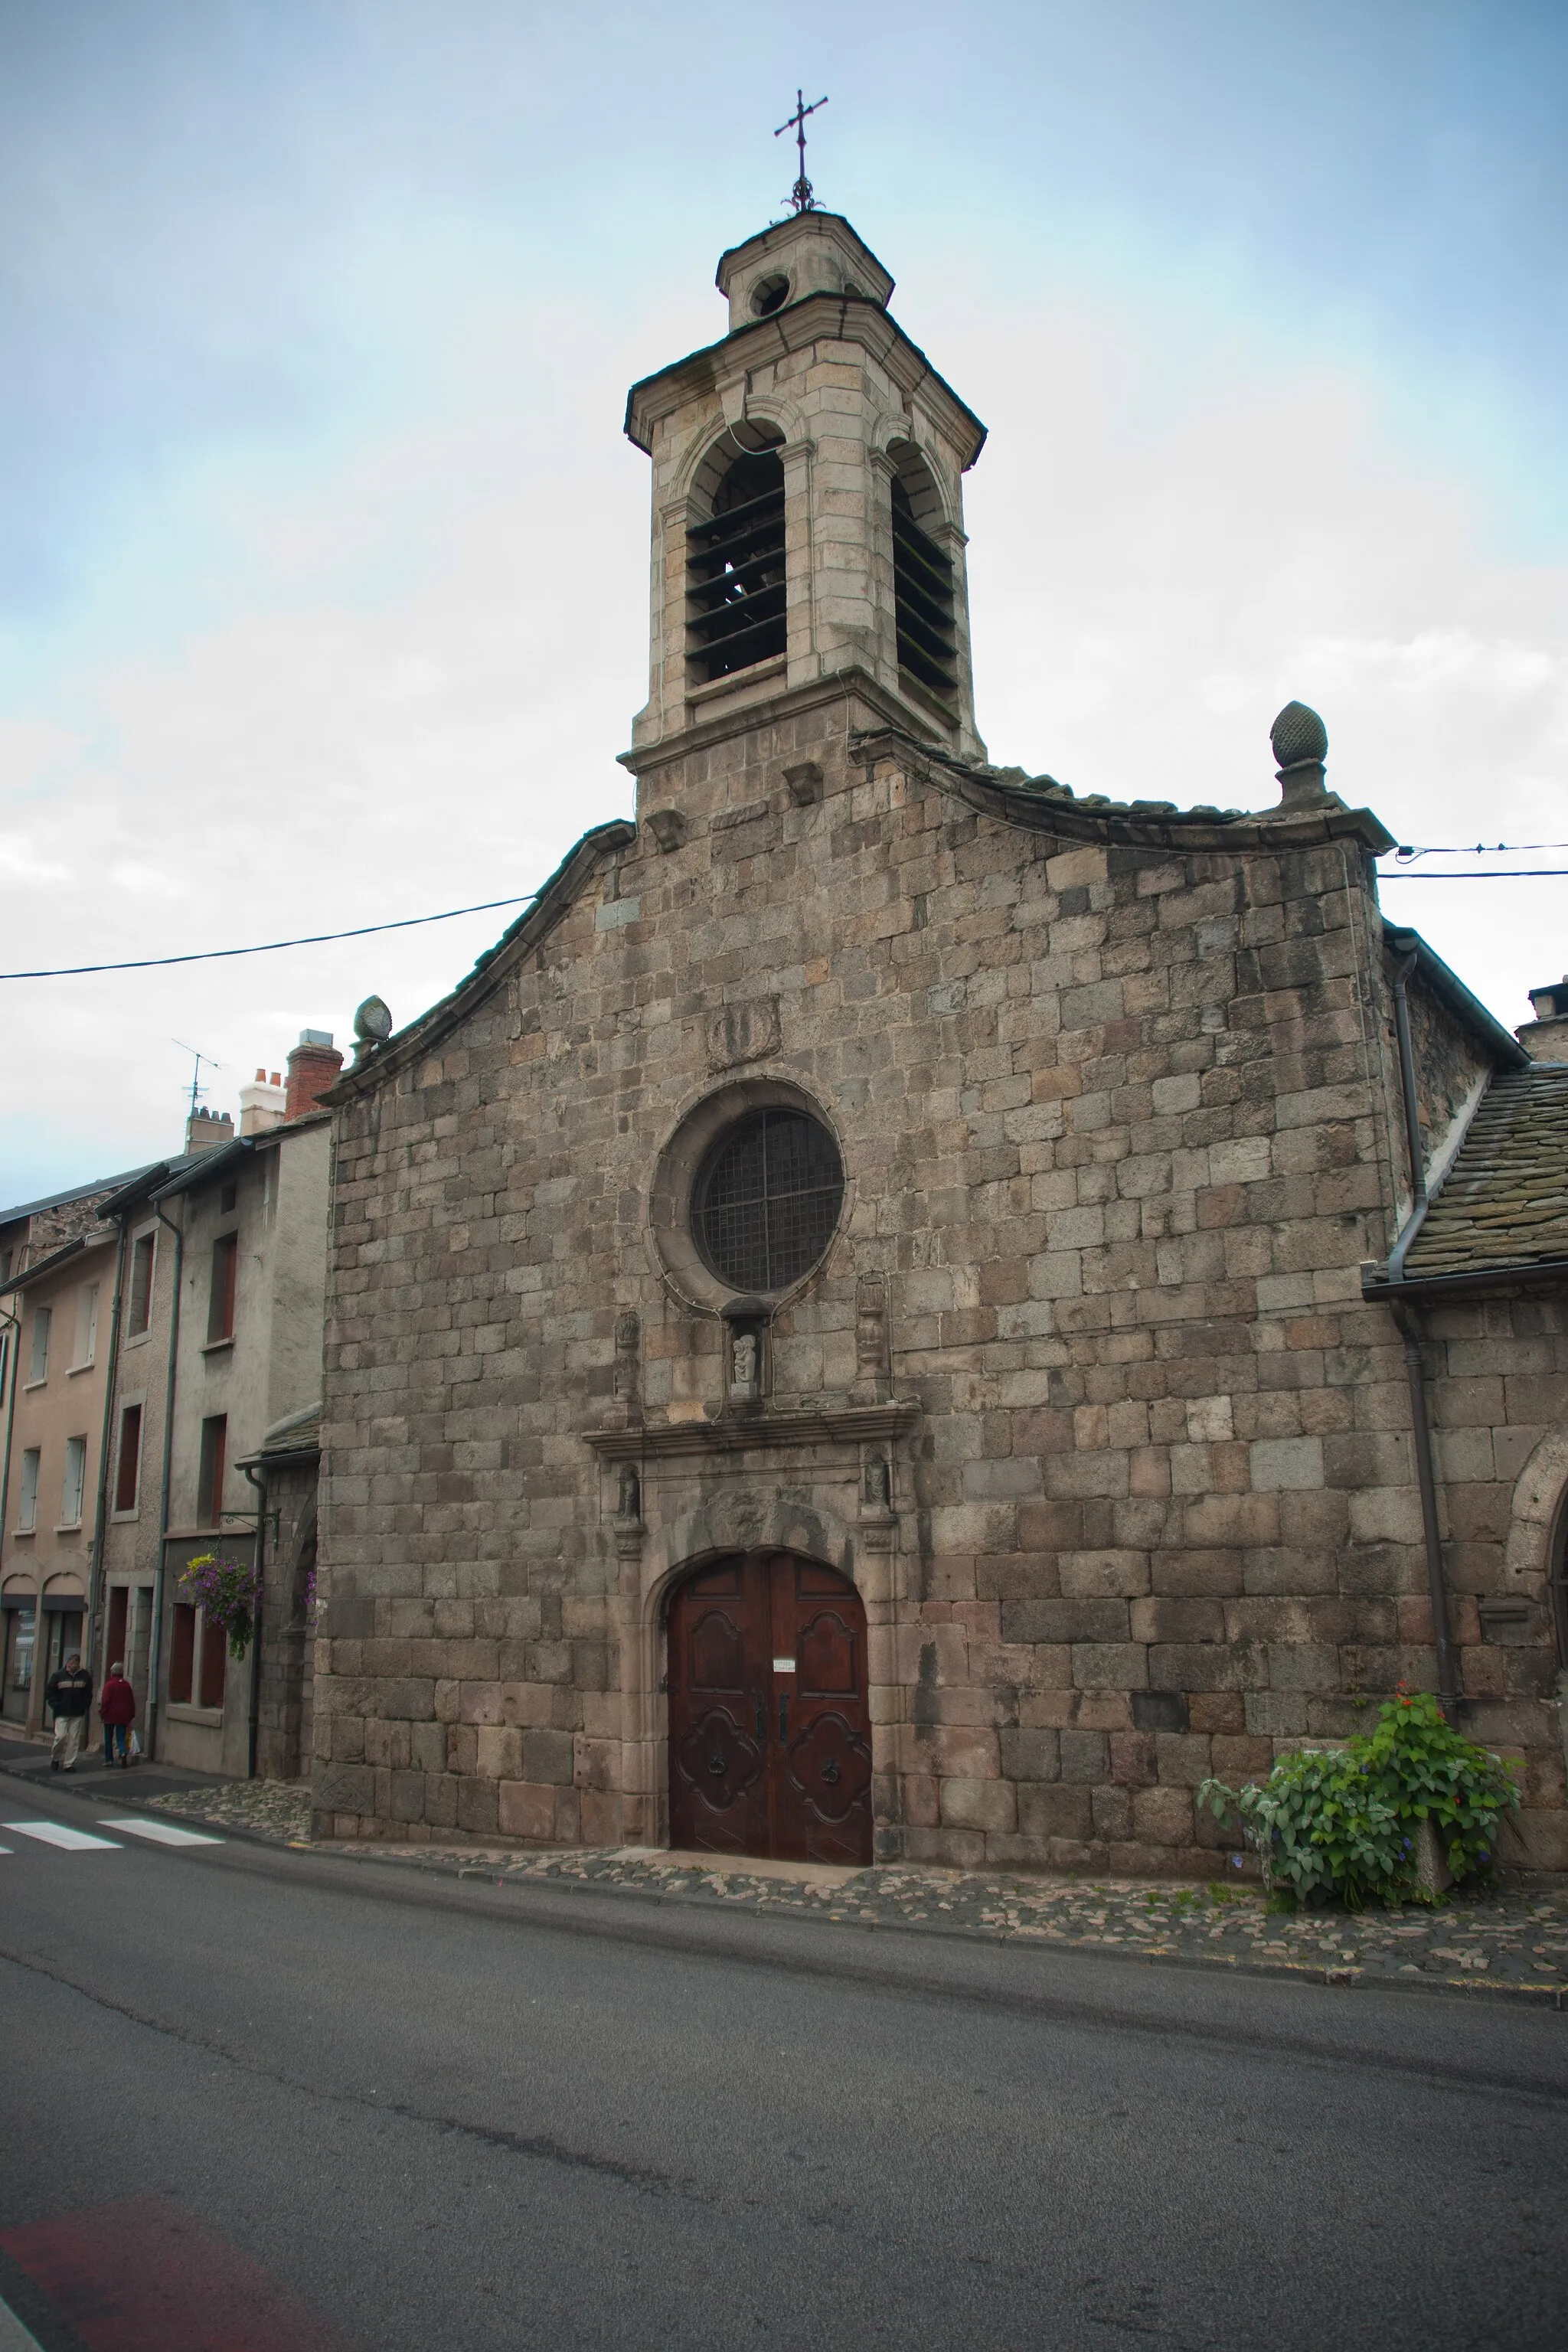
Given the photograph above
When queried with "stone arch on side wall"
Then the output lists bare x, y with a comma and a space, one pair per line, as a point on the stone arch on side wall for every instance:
1536, 1560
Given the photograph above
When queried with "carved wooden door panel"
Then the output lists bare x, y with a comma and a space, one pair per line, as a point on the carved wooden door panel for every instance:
718, 1711
822, 1777
769, 1727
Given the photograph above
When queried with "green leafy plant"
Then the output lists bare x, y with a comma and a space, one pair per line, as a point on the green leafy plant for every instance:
1345, 1824
226, 1590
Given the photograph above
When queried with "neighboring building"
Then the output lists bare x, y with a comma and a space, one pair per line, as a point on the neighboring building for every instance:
49, 1481
224, 1258
36, 1231
873, 1321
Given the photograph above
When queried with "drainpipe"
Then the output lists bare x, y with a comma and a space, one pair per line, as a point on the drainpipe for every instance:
95, 1571
255, 1727
1409, 1325
13, 1315
155, 1651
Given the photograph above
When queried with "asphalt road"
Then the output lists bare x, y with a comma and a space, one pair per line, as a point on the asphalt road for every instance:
445, 2115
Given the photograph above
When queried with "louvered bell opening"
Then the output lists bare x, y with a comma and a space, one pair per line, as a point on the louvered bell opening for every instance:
923, 603
735, 570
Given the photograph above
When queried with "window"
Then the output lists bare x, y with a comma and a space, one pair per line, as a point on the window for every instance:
767, 1199
5, 1257
182, 1652
209, 1479
922, 581
228, 1195
118, 1613
220, 1297
128, 1474
735, 566
74, 1489
38, 1362
85, 1325
27, 1500
142, 1252
215, 1664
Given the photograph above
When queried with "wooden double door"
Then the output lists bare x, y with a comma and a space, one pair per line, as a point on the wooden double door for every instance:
770, 1734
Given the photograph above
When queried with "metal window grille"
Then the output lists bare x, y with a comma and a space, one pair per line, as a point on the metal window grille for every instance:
768, 1201
922, 601
735, 570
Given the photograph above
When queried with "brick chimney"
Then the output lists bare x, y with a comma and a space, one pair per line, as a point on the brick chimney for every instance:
314, 1067
1545, 1039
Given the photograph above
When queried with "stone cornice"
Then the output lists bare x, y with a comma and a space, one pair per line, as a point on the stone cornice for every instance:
1046, 807
836, 318
853, 1424
770, 710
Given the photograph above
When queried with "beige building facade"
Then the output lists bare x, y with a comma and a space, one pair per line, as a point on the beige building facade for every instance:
899, 1311
59, 1346
219, 1339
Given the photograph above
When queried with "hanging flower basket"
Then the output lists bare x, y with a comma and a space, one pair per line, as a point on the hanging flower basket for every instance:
226, 1592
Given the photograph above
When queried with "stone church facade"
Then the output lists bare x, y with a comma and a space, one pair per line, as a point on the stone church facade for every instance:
888, 1315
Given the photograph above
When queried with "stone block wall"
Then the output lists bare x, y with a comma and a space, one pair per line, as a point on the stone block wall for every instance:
1115, 1113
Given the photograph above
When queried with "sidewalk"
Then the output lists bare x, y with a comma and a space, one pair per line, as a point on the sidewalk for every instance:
1513, 1943
137, 1784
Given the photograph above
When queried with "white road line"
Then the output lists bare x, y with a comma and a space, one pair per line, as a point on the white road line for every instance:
13, 2337
161, 1832
57, 1833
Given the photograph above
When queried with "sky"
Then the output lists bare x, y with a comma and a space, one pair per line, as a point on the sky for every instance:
323, 560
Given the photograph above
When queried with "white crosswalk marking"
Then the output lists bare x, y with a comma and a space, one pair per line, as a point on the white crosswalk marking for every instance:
162, 1833
57, 1833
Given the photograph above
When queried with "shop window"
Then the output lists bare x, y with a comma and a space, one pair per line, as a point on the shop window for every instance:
27, 1495
127, 1474
209, 1479
182, 1652
220, 1298
143, 1254
38, 1362
73, 1489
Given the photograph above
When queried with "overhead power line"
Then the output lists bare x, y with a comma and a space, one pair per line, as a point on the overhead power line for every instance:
269, 947
1481, 873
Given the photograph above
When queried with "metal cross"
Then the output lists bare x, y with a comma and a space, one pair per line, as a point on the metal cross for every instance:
802, 196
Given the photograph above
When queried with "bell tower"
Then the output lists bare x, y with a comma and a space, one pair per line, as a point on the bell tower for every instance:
807, 509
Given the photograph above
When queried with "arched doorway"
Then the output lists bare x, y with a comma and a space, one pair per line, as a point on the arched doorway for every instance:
770, 1738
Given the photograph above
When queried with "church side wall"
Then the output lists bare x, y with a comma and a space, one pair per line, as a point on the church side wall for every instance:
1116, 1134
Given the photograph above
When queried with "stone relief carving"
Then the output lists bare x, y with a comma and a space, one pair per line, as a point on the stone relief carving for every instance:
743, 1033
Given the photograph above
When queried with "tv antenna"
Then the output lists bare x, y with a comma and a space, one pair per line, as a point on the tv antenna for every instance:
803, 196
196, 1070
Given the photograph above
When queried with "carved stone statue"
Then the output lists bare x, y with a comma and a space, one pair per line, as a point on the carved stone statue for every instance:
628, 1501
879, 1485
744, 1357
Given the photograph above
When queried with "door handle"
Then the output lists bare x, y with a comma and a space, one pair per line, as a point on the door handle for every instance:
762, 1723
783, 1715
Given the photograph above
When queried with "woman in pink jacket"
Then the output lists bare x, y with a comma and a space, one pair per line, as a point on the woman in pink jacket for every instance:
117, 1713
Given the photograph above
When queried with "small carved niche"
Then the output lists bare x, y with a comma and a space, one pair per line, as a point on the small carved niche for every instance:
625, 1377
872, 1382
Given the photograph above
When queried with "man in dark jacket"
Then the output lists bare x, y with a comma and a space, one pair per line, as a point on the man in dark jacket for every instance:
69, 1692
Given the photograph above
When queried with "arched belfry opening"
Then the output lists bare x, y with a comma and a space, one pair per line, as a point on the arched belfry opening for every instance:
735, 556
923, 595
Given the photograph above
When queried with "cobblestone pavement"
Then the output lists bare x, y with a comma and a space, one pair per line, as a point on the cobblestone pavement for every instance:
1514, 1940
